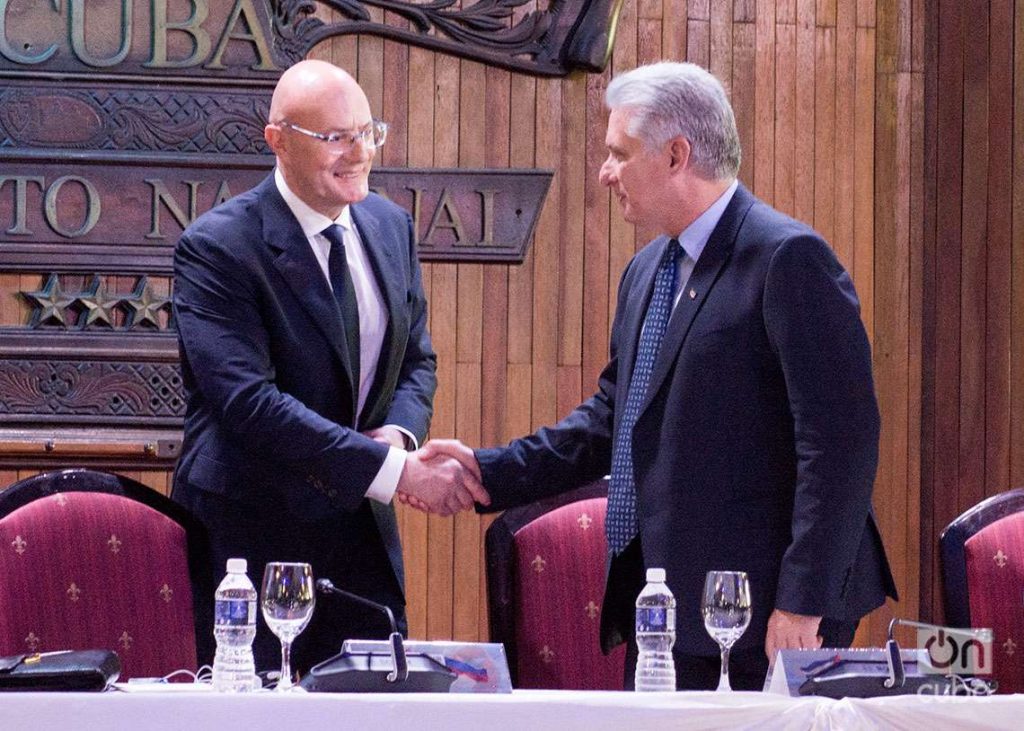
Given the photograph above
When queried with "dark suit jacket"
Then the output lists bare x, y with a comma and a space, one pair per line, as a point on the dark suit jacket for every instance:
269, 427
757, 443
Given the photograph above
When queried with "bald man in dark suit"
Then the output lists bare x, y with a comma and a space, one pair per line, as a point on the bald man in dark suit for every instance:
307, 365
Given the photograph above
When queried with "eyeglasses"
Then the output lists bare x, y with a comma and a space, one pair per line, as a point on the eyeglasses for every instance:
372, 136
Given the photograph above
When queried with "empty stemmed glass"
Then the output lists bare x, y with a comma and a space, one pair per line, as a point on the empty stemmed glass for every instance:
726, 610
287, 601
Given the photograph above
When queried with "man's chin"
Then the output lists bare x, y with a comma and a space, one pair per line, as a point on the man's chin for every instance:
352, 194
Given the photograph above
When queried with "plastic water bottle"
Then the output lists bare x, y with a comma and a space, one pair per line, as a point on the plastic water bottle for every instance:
234, 629
655, 635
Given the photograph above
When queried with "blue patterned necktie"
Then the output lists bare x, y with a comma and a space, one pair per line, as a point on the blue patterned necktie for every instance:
621, 525
345, 296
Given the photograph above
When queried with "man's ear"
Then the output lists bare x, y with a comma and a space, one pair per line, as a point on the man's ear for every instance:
272, 134
679, 154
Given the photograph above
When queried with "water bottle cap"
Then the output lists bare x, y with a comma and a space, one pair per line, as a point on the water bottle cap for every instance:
655, 576
237, 565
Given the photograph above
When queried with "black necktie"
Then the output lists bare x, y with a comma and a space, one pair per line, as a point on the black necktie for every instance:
345, 296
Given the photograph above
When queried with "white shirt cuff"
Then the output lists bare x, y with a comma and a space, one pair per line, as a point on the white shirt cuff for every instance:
410, 438
383, 487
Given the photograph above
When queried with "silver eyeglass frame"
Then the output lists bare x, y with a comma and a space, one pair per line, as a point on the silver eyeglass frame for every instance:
366, 136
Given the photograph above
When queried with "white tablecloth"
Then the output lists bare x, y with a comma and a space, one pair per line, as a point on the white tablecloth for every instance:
520, 711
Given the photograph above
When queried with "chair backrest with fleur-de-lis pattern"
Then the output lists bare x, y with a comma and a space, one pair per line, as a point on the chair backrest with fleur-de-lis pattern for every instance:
88, 568
546, 565
983, 573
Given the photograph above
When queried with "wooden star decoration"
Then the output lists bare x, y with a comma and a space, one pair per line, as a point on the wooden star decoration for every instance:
144, 306
99, 307
49, 303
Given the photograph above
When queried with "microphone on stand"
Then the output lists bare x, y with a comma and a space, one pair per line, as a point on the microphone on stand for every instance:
360, 666
399, 663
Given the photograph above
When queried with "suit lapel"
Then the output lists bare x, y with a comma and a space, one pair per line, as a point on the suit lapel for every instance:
298, 266
714, 257
380, 253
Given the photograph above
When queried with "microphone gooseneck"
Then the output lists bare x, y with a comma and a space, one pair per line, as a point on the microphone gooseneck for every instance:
400, 668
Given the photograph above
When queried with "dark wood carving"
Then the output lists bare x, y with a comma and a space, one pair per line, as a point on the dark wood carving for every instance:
145, 118
105, 378
257, 39
570, 35
99, 391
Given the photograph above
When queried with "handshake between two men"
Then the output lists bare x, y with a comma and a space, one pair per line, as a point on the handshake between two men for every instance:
442, 477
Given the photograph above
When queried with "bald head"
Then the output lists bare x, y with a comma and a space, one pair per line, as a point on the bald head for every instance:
314, 99
306, 85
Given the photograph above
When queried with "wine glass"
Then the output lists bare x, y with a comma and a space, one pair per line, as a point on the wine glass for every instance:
287, 601
726, 610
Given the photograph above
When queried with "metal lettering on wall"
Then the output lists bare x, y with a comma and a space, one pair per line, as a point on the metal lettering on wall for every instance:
125, 215
121, 121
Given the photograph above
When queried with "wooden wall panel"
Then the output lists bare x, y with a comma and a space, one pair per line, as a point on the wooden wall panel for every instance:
896, 127
864, 179
773, 105
600, 282
973, 248
998, 245
420, 153
1017, 263
845, 154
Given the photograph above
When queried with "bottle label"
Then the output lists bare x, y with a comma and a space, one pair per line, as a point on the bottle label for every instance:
235, 612
655, 619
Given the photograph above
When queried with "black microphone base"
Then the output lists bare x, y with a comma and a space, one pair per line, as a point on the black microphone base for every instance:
367, 672
852, 685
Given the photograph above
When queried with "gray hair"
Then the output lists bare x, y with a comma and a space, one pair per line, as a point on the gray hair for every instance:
670, 99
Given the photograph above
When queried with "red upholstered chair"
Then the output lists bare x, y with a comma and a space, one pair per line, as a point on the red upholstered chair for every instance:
545, 584
94, 560
983, 572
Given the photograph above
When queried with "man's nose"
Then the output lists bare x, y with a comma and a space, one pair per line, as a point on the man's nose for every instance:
604, 176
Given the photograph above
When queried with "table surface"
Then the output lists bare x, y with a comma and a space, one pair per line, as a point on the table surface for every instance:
526, 709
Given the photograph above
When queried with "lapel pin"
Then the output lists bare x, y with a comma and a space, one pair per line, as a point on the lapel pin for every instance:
693, 294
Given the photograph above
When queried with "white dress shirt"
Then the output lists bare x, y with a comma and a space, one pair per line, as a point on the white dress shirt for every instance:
373, 316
